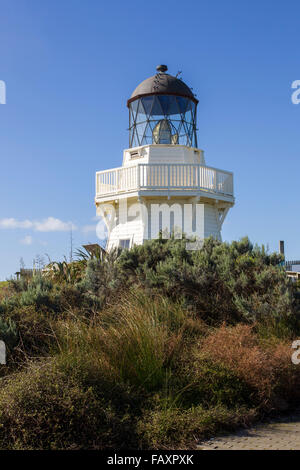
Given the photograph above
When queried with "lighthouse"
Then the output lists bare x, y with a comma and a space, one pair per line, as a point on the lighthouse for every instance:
164, 185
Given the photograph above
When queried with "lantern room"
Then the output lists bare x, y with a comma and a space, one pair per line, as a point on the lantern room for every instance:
162, 110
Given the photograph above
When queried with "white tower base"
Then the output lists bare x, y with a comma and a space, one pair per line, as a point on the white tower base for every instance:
164, 188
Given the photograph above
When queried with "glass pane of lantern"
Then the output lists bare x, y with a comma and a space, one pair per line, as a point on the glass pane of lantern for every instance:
141, 111
182, 104
141, 131
134, 107
156, 108
164, 101
147, 103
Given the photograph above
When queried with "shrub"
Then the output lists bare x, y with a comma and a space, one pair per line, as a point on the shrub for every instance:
175, 428
8, 332
4, 289
41, 408
211, 384
65, 273
267, 369
102, 279
35, 291
223, 282
34, 333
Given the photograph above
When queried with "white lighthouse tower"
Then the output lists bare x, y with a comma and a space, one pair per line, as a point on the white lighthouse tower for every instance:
164, 184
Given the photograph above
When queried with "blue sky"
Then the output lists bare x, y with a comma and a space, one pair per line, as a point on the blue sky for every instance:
69, 67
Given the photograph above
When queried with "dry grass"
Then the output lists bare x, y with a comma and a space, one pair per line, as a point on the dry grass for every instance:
4, 290
266, 368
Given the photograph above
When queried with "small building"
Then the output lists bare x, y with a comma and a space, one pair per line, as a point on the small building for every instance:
164, 184
293, 269
27, 273
293, 275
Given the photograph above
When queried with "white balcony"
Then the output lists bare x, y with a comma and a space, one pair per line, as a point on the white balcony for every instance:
179, 179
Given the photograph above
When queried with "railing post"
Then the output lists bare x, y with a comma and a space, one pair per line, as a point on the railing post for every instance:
169, 176
138, 177
117, 181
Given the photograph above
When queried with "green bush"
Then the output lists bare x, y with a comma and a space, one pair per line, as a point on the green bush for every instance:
222, 282
35, 331
35, 291
102, 279
8, 332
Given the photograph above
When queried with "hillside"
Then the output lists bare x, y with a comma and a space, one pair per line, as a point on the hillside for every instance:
153, 347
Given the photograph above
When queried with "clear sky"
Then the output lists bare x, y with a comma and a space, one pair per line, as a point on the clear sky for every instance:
69, 67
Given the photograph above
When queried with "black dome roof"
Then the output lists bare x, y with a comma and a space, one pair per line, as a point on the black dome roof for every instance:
162, 84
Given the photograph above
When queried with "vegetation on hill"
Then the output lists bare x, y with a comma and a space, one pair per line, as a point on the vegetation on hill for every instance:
153, 347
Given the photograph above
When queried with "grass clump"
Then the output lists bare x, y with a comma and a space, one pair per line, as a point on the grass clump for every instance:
177, 428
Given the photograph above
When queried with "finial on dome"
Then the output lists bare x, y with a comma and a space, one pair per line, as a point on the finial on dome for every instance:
161, 68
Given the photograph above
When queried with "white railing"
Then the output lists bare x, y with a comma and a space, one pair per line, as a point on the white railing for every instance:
172, 176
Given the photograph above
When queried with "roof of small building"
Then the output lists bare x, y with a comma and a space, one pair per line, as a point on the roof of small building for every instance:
162, 84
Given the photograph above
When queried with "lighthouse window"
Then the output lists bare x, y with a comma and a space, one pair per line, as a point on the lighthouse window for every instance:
125, 244
163, 119
134, 155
